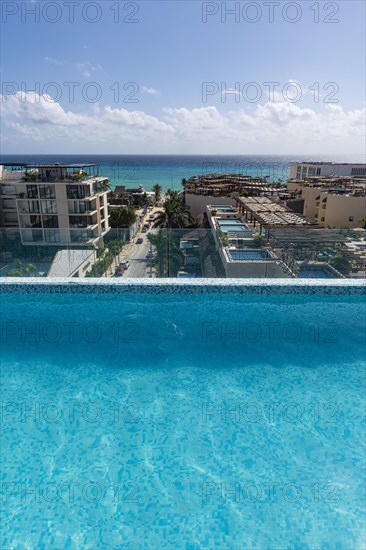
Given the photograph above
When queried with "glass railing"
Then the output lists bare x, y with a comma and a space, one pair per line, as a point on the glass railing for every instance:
182, 253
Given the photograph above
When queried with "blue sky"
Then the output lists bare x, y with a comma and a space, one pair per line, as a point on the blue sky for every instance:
163, 60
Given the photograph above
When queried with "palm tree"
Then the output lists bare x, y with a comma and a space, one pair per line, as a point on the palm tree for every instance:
169, 256
24, 271
157, 190
171, 194
175, 215
122, 217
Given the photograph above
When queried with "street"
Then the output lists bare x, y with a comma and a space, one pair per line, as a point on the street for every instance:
136, 253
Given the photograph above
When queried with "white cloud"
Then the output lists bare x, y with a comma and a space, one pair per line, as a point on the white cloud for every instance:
53, 61
291, 91
150, 91
230, 91
280, 127
26, 131
191, 121
87, 69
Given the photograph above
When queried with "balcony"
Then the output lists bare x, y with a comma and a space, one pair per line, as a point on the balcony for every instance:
83, 236
83, 208
31, 226
28, 207
8, 204
7, 190
82, 222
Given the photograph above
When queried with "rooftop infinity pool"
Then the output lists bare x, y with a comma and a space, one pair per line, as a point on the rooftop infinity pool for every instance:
154, 417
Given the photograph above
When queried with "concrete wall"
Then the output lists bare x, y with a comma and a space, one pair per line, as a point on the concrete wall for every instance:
309, 194
340, 208
198, 203
62, 206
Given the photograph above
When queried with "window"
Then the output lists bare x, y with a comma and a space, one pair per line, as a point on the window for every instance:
79, 207
52, 236
49, 207
318, 170
322, 219
33, 206
77, 192
35, 221
47, 192
50, 221
79, 221
358, 172
32, 192
8, 203
350, 219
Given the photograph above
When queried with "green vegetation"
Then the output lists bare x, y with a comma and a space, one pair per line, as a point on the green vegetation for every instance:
122, 217
30, 177
279, 183
175, 214
258, 240
157, 190
223, 238
169, 257
341, 263
105, 258
362, 221
27, 270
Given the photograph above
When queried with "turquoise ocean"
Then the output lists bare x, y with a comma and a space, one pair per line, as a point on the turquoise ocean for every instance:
169, 170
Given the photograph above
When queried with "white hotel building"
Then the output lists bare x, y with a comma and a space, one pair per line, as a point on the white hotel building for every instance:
302, 170
54, 204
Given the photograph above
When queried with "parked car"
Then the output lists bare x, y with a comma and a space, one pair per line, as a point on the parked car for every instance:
140, 240
119, 271
144, 229
125, 264
150, 255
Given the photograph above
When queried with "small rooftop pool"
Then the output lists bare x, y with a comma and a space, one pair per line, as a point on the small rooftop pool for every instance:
223, 221
233, 225
317, 272
249, 254
223, 208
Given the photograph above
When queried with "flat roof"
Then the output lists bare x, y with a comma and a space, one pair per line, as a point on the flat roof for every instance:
66, 262
309, 235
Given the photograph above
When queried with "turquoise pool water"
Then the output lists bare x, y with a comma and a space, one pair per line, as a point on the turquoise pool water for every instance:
230, 222
186, 421
223, 208
233, 226
318, 273
241, 255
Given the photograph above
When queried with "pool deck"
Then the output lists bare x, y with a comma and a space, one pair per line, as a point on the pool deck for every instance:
13, 285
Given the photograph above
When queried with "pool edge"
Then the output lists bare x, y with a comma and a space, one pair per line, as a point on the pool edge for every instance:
183, 286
